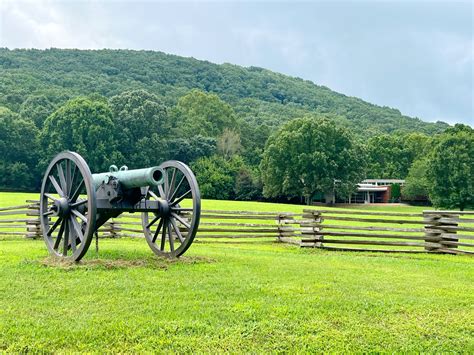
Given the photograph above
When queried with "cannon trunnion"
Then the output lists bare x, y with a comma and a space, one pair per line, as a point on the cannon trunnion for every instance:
74, 204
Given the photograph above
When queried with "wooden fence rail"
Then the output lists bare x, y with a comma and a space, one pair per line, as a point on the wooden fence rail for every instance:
430, 231
449, 232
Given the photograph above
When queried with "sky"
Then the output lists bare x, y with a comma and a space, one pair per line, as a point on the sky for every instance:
416, 56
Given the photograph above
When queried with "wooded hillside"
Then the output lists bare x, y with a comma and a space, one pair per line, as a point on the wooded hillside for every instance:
29, 78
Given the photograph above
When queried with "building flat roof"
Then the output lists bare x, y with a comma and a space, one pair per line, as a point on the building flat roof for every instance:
368, 187
393, 181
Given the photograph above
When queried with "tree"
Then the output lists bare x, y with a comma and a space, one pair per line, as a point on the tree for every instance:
190, 149
451, 169
215, 177
83, 126
416, 183
18, 152
388, 157
143, 125
39, 105
203, 114
395, 193
311, 155
247, 185
228, 143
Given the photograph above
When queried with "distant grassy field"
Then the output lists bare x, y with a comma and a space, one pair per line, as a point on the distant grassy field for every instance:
233, 297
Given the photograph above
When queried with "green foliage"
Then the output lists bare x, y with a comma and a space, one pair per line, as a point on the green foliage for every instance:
222, 179
451, 169
252, 92
248, 185
395, 192
168, 107
310, 155
390, 156
190, 149
203, 114
416, 184
83, 126
215, 177
142, 123
18, 151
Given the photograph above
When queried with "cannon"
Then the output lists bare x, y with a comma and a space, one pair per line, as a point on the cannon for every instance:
74, 204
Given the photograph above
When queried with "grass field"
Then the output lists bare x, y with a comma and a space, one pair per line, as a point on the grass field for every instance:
255, 297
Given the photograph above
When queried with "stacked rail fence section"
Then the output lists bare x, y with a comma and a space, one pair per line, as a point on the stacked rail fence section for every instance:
450, 232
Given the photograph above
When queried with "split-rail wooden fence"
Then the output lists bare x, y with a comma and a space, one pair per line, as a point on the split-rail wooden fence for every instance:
450, 232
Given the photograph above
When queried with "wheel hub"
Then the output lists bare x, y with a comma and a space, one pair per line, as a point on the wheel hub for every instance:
61, 207
165, 208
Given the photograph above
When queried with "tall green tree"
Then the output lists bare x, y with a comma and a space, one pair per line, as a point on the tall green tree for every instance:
417, 184
311, 155
216, 177
18, 151
200, 113
389, 157
83, 126
142, 125
451, 169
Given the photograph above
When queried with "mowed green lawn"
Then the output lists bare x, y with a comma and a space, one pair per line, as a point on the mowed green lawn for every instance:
254, 297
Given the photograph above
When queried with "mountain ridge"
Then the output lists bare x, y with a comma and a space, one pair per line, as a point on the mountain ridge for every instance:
256, 94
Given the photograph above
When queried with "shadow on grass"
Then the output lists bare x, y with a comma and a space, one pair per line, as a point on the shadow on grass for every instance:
113, 262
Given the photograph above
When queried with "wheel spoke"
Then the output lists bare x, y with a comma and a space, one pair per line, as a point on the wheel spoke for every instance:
68, 177
54, 226
157, 230
79, 214
51, 197
48, 213
79, 203
73, 234
152, 194
62, 179
179, 218
181, 198
173, 181
182, 209
66, 237
163, 237
153, 222
177, 188
167, 183
176, 229
170, 235
60, 234
77, 228
56, 185
73, 177
162, 193
76, 193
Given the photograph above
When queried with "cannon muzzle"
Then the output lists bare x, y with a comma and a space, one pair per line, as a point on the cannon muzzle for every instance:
131, 178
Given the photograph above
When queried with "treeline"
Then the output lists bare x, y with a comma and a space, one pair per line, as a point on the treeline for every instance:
233, 158
34, 83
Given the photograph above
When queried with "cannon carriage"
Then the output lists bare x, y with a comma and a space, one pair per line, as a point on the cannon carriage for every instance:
74, 204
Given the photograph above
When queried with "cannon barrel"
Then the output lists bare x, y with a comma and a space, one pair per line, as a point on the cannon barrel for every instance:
131, 178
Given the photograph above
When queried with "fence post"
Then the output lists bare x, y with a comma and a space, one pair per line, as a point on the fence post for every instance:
33, 226
114, 229
309, 229
440, 227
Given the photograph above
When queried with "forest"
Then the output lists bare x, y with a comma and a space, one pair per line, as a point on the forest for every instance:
230, 123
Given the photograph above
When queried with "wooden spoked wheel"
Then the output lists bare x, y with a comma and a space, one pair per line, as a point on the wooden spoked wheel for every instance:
171, 232
68, 206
